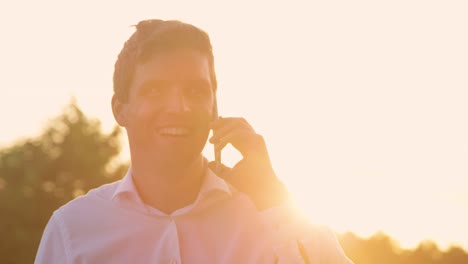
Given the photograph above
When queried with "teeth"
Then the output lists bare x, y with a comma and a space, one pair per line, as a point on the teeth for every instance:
174, 131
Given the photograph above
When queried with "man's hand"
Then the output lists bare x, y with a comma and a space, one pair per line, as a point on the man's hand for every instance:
253, 175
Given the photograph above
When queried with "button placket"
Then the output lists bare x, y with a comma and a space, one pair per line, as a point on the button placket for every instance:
176, 257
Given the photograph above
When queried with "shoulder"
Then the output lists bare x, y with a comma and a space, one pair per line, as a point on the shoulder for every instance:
69, 220
299, 236
95, 200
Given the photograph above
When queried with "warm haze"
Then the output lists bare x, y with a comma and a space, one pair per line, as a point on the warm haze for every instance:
362, 103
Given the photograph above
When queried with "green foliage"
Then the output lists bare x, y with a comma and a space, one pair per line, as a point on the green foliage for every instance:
39, 175
381, 249
73, 156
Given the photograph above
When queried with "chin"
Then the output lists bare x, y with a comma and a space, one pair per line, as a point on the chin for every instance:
179, 158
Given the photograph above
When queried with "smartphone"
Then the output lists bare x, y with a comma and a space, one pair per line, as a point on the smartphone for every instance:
217, 153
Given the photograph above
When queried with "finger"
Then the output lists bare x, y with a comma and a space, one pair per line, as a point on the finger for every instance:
220, 169
240, 139
222, 121
218, 147
223, 130
228, 127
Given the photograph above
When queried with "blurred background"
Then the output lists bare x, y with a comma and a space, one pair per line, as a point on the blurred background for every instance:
362, 104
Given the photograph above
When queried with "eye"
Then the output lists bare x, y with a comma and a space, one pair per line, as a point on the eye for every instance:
154, 88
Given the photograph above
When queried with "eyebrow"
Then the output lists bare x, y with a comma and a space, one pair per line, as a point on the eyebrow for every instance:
200, 81
162, 82
144, 86
154, 82
166, 81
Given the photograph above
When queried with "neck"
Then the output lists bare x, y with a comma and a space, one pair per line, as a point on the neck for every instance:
168, 188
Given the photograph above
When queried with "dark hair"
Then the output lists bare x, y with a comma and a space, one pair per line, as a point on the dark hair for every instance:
152, 36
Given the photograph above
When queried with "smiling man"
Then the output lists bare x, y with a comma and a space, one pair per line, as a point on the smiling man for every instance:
173, 206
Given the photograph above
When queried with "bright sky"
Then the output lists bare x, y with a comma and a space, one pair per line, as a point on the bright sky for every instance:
362, 103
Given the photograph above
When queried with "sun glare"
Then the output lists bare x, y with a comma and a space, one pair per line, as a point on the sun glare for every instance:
364, 113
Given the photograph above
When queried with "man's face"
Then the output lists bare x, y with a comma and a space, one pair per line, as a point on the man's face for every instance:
169, 106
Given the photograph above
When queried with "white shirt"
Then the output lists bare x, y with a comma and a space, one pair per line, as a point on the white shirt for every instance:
111, 224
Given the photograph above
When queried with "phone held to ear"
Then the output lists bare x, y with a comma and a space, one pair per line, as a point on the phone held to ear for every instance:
217, 153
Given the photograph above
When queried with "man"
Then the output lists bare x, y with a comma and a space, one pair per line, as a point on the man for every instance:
173, 206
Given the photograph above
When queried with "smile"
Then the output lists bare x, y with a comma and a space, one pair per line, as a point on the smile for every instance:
174, 131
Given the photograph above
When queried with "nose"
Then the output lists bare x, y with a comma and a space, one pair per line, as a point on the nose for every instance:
177, 102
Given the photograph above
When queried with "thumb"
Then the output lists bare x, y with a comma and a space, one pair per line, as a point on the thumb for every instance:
220, 169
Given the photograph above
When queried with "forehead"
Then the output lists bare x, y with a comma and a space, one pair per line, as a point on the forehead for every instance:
181, 64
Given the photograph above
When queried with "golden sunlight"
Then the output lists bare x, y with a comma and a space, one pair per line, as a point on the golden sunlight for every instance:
362, 104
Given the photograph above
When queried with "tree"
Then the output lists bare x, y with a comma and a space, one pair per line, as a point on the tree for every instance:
383, 250
39, 175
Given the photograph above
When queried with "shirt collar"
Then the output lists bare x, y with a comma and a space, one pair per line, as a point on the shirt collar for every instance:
210, 183
126, 186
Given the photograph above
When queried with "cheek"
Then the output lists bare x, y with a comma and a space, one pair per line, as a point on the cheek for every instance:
205, 115
202, 120
148, 108
142, 113
208, 111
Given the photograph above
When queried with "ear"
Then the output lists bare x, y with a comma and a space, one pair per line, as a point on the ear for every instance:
120, 111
